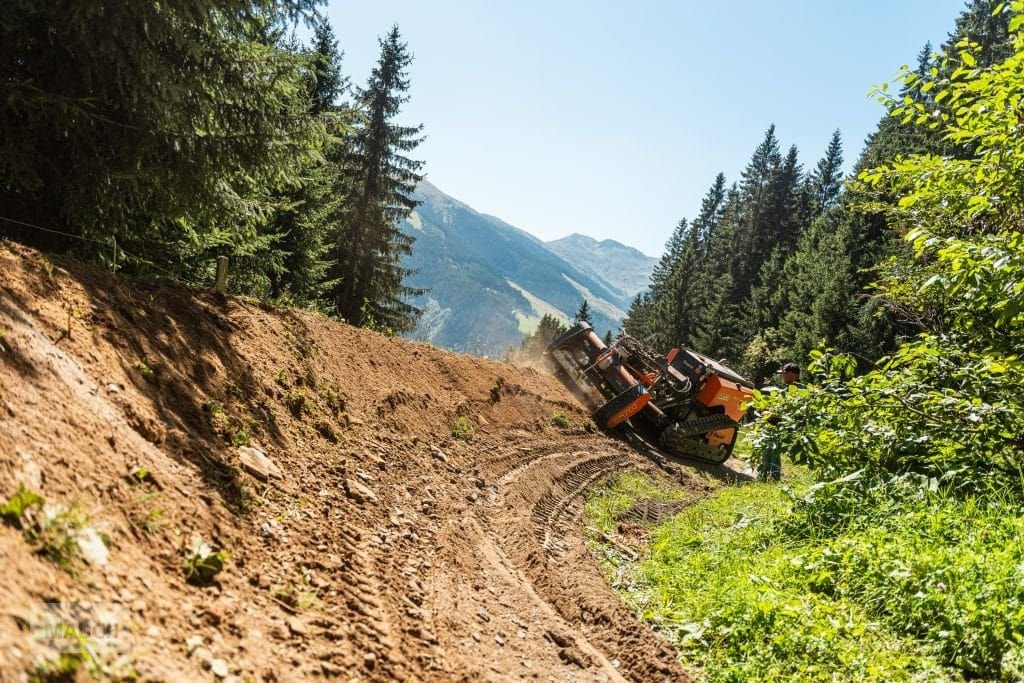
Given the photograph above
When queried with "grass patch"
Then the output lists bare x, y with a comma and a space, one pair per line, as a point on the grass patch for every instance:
607, 505
462, 429
52, 530
926, 588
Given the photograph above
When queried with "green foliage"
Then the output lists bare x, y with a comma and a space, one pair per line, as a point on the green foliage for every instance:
583, 314
77, 653
548, 329
606, 505
179, 155
298, 593
241, 437
20, 503
560, 420
462, 429
942, 569
202, 564
728, 582
53, 531
380, 178
947, 402
146, 369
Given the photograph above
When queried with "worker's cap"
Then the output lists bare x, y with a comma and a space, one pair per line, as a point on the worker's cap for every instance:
790, 367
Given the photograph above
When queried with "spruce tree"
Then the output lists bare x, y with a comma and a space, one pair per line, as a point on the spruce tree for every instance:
583, 314
308, 215
548, 329
380, 181
826, 179
166, 125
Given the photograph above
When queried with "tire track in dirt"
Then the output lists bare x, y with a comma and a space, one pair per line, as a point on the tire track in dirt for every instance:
537, 523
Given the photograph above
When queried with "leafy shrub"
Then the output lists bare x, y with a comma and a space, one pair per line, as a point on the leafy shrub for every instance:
947, 403
462, 428
52, 530
202, 564
560, 420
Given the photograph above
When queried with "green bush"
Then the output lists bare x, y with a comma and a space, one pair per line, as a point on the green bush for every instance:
203, 563
462, 429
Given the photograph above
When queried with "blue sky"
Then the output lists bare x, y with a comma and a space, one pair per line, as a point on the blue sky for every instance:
610, 118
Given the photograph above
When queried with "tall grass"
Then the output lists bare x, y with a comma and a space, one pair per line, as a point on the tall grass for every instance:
751, 584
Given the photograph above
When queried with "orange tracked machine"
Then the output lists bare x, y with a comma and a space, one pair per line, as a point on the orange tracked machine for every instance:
694, 403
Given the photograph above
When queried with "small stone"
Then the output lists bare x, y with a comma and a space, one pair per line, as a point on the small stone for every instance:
369, 660
193, 642
93, 549
297, 626
476, 636
113, 389
359, 493
219, 668
203, 656
499, 640
255, 462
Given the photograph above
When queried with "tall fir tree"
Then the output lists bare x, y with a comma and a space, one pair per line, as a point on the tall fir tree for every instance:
172, 143
826, 180
308, 214
583, 314
380, 180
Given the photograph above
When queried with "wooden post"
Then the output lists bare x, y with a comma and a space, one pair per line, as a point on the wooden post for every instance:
221, 284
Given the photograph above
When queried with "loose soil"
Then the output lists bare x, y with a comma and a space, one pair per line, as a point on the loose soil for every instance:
385, 550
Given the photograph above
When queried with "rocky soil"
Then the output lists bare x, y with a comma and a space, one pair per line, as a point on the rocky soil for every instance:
365, 542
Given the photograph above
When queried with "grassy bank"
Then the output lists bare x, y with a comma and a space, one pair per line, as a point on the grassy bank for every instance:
763, 582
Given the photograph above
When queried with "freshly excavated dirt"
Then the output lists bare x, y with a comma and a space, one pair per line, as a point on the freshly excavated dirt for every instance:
386, 550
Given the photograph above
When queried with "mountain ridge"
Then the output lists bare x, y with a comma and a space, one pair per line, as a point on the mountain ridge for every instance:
490, 282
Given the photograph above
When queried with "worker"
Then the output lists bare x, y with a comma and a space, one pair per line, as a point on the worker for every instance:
771, 453
790, 374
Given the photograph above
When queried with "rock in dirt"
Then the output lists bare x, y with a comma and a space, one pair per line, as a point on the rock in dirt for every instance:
219, 668
255, 462
297, 626
359, 493
93, 549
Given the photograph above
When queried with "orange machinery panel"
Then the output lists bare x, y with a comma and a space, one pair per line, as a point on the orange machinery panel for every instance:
731, 396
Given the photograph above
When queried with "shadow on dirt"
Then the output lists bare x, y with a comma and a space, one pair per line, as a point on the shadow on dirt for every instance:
177, 348
642, 444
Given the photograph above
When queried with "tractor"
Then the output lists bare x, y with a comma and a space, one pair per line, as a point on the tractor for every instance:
694, 404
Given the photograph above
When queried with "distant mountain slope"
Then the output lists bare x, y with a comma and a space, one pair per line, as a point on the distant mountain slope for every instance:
622, 268
490, 282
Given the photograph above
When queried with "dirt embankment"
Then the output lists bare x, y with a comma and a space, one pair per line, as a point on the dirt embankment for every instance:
375, 547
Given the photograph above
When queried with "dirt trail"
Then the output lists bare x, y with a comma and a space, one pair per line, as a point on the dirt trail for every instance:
384, 550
